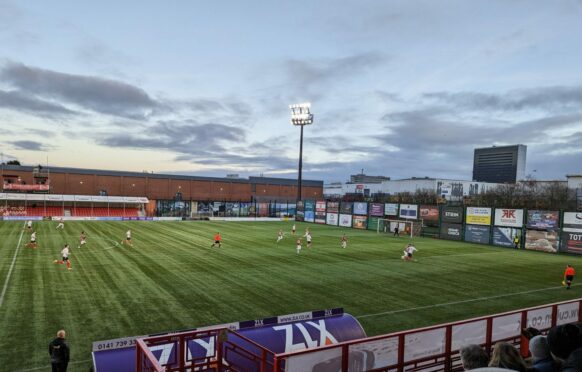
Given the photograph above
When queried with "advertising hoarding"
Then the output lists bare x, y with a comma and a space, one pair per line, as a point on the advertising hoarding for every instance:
478, 216
361, 208
333, 207
429, 213
309, 210
477, 234
546, 241
451, 231
509, 217
332, 219
409, 211
573, 219
360, 222
543, 220
345, 220
452, 215
373, 223
377, 210
572, 242
391, 209
503, 236
300, 215
320, 211
346, 208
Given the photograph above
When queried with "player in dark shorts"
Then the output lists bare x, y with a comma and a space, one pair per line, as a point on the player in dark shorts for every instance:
217, 240
569, 274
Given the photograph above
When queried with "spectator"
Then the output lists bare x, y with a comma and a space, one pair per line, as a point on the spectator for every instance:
506, 356
541, 358
473, 356
565, 342
59, 352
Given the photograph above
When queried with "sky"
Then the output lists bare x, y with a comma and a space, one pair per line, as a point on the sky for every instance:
398, 88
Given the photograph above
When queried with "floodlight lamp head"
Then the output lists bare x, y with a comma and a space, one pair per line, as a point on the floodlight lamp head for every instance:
301, 114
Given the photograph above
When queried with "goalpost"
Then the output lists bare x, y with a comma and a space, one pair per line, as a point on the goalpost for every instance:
386, 226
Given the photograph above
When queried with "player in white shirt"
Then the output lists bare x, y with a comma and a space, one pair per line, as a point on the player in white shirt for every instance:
298, 246
127, 238
344, 241
29, 225
308, 238
61, 224
293, 229
65, 253
408, 252
279, 236
82, 239
32, 243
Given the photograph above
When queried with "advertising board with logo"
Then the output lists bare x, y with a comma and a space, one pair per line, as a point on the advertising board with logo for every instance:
451, 231
361, 208
573, 219
478, 216
345, 220
332, 219
360, 222
377, 210
503, 236
391, 209
346, 208
477, 234
373, 223
509, 217
543, 220
320, 211
309, 211
545, 241
572, 242
300, 214
429, 215
332, 207
452, 214
409, 211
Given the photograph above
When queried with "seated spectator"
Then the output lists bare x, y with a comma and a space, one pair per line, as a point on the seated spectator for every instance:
506, 356
565, 342
541, 358
473, 356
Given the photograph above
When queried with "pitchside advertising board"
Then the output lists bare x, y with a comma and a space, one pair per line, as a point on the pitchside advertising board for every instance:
373, 223
279, 334
409, 211
346, 208
543, 220
478, 216
451, 231
361, 209
332, 207
309, 211
332, 219
503, 236
377, 210
345, 220
391, 209
545, 241
572, 233
509, 217
320, 212
452, 215
477, 234
429, 215
300, 216
360, 222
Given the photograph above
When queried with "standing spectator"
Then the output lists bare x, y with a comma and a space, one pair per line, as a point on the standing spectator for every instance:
506, 356
396, 232
541, 358
569, 276
59, 352
473, 356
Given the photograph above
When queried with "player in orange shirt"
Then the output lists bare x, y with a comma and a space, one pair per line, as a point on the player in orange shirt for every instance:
217, 240
569, 275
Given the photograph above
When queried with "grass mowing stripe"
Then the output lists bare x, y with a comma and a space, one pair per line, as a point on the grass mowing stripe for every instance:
48, 366
11, 267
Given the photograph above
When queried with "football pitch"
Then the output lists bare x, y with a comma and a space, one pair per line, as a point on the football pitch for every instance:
171, 279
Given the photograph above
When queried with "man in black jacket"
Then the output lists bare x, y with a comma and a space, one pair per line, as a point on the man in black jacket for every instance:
59, 352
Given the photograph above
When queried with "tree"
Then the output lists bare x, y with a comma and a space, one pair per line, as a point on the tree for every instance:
13, 162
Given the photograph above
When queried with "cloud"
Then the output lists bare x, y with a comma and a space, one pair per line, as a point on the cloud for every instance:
19, 101
29, 145
93, 93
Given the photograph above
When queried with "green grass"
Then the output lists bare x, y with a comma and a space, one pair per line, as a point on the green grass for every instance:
171, 279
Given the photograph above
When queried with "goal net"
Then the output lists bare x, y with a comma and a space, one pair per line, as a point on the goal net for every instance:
405, 228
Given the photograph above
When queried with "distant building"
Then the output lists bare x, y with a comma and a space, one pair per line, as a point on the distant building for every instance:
499, 164
363, 178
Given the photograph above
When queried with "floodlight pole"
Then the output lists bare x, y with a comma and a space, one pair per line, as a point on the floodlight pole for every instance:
301, 115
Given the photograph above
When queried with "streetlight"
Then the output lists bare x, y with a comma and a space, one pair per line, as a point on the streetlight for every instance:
301, 115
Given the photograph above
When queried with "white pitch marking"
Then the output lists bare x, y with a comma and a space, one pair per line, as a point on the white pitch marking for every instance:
11, 268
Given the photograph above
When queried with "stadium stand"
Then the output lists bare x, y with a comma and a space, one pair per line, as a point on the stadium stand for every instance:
66, 211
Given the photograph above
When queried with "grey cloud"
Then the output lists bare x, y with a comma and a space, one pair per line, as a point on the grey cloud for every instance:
93, 93
19, 101
28, 145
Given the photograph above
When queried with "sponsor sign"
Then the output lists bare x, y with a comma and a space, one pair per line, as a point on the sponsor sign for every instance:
300, 214
332, 207
377, 210
309, 211
332, 219
20, 187
451, 231
409, 211
320, 206
573, 219
345, 220
373, 223
320, 212
509, 217
452, 215
429, 213
503, 236
346, 208
572, 242
360, 222
361, 208
391, 209
543, 220
477, 234
546, 241
478, 216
